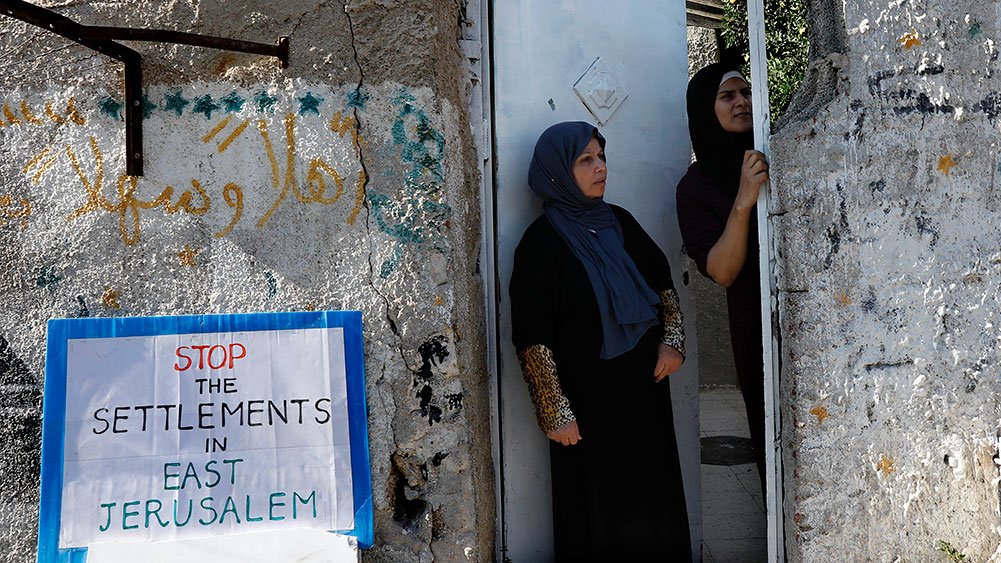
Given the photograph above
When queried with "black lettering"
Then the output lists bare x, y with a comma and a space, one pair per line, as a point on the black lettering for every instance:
99, 419
226, 410
322, 410
298, 403
166, 415
180, 419
114, 425
251, 411
273, 411
202, 415
143, 409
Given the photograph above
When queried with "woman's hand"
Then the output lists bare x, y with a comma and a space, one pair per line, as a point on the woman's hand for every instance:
726, 257
753, 175
669, 361
567, 434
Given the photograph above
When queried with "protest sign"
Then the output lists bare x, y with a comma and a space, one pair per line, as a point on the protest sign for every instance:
171, 428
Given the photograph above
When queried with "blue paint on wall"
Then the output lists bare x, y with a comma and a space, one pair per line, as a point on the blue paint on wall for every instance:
48, 279
148, 106
264, 102
232, 102
83, 310
420, 215
205, 105
175, 102
272, 285
357, 98
309, 104
111, 107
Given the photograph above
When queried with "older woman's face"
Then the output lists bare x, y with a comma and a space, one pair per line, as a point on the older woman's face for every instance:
733, 106
589, 170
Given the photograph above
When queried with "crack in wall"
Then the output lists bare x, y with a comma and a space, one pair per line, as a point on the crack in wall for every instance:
361, 159
408, 505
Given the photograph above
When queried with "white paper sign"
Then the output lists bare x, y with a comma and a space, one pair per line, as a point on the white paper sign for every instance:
196, 435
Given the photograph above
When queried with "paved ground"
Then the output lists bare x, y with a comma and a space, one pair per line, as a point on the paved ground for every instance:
733, 515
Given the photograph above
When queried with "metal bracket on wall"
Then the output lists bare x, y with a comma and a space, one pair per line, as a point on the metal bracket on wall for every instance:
100, 39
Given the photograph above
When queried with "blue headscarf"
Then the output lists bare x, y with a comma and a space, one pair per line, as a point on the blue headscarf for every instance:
626, 303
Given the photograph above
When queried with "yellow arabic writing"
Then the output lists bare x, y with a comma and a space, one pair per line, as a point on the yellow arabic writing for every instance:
11, 118
9, 213
127, 204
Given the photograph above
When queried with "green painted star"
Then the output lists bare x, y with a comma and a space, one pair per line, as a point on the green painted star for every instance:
48, 279
232, 102
974, 30
357, 98
309, 103
205, 105
148, 107
111, 107
264, 102
175, 101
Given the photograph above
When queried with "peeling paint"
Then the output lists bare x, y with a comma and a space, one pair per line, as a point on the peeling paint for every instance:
885, 465
820, 412
946, 164
910, 40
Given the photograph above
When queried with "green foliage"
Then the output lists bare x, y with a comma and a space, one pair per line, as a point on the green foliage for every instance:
954, 554
786, 45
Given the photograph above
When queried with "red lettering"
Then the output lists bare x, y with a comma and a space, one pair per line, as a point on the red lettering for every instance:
209, 358
235, 351
180, 355
232, 353
201, 355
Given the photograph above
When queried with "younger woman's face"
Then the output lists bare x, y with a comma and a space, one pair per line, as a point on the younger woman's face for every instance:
733, 106
589, 170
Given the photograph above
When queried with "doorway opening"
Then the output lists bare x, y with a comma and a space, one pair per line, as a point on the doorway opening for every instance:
742, 509
519, 102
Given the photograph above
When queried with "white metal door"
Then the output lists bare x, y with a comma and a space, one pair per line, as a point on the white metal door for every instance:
629, 60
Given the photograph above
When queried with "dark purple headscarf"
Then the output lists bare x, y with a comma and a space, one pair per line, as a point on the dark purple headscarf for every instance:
626, 303
720, 154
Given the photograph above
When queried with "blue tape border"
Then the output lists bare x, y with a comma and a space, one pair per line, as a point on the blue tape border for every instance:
54, 402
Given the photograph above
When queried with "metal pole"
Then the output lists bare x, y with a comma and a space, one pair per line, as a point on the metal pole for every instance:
769, 301
100, 39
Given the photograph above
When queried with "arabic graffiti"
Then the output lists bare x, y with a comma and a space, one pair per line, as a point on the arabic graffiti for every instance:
420, 215
17, 215
321, 183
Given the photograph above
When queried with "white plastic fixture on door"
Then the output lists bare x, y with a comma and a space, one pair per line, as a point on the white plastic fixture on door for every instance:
600, 90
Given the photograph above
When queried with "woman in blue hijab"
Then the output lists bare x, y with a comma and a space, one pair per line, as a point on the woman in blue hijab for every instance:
597, 327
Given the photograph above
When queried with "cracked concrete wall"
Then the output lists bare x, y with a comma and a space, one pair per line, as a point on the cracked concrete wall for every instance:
346, 181
886, 210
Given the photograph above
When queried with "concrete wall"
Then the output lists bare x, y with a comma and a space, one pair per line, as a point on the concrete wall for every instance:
703, 48
347, 181
887, 216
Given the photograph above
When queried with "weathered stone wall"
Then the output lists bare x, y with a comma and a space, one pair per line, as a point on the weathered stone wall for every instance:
346, 181
887, 217
703, 48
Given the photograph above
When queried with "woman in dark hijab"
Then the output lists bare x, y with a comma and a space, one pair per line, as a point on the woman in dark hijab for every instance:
597, 327
715, 201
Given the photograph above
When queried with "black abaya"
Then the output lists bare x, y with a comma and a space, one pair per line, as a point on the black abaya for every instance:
618, 493
703, 211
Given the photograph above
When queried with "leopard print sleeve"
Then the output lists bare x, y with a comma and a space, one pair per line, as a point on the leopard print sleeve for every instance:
539, 368
672, 320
